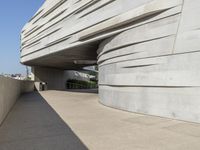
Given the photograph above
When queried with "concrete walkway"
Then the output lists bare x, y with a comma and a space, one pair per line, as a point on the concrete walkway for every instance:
33, 125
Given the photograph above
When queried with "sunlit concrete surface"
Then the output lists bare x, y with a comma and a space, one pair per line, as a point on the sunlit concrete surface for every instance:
147, 51
100, 127
85, 124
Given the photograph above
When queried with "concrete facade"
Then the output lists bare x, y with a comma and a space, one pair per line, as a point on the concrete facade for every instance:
10, 90
147, 50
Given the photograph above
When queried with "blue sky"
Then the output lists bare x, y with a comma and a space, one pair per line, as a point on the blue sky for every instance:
13, 16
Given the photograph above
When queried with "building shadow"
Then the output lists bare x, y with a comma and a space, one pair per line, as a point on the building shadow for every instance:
95, 91
33, 125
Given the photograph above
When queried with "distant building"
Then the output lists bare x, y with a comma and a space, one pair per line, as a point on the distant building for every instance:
17, 76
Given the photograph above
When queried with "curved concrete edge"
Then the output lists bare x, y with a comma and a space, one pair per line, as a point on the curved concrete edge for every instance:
175, 103
154, 68
153, 7
10, 90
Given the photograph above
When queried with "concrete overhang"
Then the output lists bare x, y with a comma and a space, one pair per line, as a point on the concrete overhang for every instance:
67, 34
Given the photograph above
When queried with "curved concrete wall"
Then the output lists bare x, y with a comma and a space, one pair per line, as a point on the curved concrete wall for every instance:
10, 90
148, 50
153, 67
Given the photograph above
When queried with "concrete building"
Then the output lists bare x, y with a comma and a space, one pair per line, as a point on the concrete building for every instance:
147, 51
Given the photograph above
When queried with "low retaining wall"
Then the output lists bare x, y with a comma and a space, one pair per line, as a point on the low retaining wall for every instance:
10, 90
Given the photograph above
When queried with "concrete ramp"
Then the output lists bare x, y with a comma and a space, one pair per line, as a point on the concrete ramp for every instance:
34, 125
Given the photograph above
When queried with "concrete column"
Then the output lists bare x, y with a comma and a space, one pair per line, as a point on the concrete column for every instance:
54, 78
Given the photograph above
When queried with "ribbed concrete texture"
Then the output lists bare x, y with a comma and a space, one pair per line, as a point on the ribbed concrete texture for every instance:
153, 67
148, 51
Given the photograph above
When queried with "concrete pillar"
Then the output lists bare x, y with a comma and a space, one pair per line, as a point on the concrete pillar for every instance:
54, 78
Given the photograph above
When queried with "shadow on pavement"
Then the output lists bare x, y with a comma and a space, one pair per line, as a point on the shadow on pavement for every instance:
34, 125
83, 90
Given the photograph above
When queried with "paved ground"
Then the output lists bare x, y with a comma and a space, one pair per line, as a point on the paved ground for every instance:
33, 125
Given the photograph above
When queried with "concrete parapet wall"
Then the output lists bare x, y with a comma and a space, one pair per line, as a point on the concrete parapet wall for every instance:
10, 90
